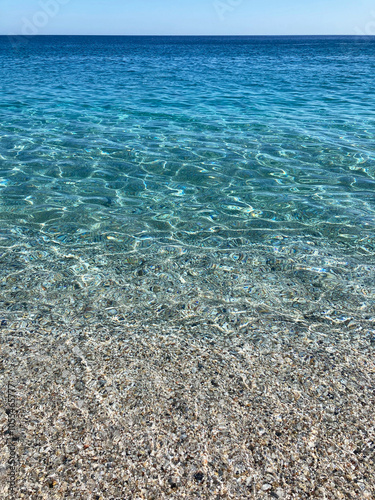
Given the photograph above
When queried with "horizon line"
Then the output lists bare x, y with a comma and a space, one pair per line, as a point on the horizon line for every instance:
190, 35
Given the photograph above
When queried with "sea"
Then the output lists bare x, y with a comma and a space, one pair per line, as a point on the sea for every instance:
187, 181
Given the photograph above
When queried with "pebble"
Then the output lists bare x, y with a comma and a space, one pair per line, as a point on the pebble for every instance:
199, 476
79, 385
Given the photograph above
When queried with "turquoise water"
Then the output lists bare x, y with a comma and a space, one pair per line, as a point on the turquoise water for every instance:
231, 177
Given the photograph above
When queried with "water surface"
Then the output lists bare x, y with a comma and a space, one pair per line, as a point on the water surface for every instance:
213, 178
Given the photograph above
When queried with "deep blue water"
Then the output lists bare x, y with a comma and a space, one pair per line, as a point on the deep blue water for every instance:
116, 145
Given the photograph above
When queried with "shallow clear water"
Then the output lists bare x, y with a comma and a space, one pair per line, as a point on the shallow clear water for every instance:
140, 175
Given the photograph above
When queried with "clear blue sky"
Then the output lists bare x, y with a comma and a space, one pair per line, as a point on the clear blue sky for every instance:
232, 17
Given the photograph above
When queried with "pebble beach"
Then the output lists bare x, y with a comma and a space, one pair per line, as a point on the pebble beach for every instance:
153, 412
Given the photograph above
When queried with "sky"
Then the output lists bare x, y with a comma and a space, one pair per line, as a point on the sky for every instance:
187, 17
